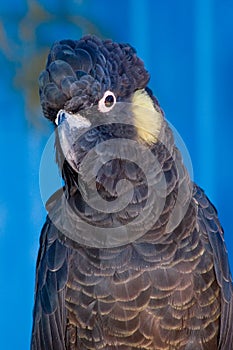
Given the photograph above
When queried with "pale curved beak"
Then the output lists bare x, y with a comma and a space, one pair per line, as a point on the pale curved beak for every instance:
70, 126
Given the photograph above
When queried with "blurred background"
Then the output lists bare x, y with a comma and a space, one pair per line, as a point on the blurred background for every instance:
188, 48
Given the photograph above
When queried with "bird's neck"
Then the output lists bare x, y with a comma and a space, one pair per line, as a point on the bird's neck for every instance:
123, 193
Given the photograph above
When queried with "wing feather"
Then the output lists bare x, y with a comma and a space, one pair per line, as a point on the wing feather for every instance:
213, 234
51, 277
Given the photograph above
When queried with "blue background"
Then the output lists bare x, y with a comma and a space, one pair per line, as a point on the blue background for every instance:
187, 46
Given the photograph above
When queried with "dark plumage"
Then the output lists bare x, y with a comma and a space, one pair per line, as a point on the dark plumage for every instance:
78, 72
153, 274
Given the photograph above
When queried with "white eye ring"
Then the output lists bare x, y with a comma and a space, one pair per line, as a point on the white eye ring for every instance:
107, 102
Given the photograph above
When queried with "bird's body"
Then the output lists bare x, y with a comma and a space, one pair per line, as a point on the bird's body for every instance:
117, 279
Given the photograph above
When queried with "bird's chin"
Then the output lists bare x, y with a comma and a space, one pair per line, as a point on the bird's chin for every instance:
73, 162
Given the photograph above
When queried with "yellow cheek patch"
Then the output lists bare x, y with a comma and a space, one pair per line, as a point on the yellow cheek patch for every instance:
147, 120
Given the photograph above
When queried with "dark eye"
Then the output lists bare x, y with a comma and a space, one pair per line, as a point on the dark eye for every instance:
107, 102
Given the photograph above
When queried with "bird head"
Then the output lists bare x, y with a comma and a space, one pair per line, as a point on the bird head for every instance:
85, 80
109, 128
